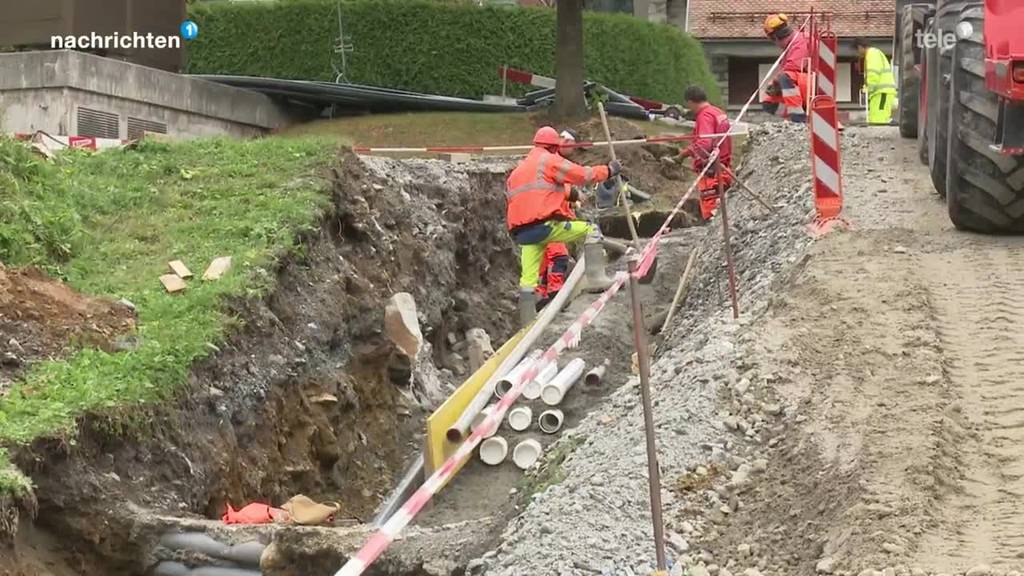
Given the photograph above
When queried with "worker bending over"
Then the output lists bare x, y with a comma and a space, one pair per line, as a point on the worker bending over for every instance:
709, 119
538, 210
879, 82
788, 90
554, 266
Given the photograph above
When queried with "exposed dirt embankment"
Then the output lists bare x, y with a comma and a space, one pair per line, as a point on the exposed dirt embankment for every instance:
305, 396
42, 318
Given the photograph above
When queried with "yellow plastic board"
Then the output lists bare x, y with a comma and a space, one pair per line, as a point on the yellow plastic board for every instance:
438, 448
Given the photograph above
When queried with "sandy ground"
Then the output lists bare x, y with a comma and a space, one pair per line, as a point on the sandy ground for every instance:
897, 352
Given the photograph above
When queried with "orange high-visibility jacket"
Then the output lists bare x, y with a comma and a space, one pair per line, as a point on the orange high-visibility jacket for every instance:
536, 189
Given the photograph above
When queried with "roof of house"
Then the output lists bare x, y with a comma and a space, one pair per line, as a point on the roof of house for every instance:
740, 19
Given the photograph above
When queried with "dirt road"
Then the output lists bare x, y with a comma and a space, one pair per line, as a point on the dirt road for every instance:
898, 353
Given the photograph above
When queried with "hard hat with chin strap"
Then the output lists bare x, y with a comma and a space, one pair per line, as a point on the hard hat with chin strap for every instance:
547, 136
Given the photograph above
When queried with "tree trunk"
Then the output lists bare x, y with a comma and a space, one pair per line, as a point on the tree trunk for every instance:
570, 102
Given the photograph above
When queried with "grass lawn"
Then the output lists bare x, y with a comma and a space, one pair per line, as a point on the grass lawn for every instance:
424, 129
108, 223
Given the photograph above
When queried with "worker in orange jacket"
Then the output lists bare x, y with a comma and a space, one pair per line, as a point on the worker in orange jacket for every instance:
538, 211
708, 119
791, 81
554, 267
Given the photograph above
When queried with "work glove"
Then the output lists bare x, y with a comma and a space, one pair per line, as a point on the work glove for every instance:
614, 168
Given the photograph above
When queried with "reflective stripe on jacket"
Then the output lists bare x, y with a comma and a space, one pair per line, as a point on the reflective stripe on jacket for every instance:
536, 189
878, 73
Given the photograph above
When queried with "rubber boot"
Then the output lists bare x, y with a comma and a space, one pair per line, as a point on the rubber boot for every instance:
527, 306
594, 276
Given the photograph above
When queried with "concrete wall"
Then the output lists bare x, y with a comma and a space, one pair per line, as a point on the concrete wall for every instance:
44, 90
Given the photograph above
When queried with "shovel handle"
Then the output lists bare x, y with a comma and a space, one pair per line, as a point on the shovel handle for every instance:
618, 180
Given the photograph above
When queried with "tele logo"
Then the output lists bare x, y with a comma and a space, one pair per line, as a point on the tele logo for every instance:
943, 39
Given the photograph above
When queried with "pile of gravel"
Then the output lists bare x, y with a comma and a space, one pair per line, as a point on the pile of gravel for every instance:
597, 520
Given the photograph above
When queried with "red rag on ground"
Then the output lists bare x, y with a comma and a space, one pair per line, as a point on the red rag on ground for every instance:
254, 513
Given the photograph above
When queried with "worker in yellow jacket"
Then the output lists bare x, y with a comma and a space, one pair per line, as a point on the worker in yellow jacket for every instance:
879, 83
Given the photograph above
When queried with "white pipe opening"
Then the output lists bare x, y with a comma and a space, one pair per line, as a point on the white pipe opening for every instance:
553, 393
596, 375
505, 384
533, 389
526, 453
550, 421
519, 418
493, 450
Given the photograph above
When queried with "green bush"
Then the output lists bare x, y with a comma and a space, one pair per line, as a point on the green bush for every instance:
442, 48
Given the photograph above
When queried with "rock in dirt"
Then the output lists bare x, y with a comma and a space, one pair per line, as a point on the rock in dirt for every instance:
401, 325
743, 549
893, 548
698, 570
980, 570
825, 566
479, 348
217, 268
678, 543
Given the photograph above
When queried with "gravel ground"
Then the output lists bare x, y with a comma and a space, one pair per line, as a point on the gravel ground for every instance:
597, 520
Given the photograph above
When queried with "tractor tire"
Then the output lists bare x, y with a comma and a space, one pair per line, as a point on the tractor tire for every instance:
985, 189
941, 59
910, 78
924, 123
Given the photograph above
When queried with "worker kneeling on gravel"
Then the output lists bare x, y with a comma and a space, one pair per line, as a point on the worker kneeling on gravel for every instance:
709, 119
788, 90
538, 212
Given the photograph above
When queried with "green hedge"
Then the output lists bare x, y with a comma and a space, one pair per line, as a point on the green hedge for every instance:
442, 48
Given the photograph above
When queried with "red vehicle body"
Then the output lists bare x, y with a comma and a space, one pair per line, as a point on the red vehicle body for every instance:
961, 74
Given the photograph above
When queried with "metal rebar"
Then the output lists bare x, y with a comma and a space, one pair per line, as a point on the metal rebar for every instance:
760, 199
684, 282
644, 361
728, 249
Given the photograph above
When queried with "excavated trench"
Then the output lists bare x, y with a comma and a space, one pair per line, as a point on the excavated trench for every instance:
310, 397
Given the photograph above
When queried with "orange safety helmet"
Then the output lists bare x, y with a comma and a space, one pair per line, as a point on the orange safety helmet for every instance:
775, 25
547, 136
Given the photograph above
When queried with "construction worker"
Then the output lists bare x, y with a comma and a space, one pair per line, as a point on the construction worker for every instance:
879, 82
708, 120
796, 45
555, 265
538, 213
791, 79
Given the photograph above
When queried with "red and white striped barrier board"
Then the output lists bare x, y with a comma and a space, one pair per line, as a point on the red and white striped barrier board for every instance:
825, 61
825, 161
524, 77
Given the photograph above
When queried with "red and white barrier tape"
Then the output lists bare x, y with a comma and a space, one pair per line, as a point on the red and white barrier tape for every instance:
387, 533
528, 147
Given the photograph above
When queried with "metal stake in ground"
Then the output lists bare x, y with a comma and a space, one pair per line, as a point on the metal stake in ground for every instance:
644, 360
618, 179
728, 248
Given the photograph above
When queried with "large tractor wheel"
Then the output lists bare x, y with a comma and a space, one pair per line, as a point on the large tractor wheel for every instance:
924, 122
940, 61
910, 78
985, 189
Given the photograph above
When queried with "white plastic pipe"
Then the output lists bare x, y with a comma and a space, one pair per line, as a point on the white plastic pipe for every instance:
505, 383
526, 453
480, 420
550, 421
493, 450
533, 389
553, 393
458, 431
519, 418
594, 377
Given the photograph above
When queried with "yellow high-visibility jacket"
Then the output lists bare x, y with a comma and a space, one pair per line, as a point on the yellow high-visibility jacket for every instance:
878, 78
